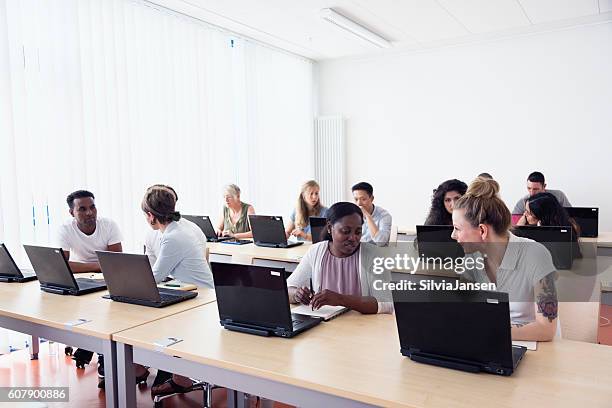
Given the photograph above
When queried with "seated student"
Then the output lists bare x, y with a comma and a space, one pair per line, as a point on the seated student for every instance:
308, 205
153, 238
377, 226
443, 200
336, 267
519, 266
536, 184
86, 233
234, 221
180, 255
80, 238
180, 251
543, 209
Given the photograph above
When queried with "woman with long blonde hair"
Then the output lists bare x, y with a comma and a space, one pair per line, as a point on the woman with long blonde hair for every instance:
308, 205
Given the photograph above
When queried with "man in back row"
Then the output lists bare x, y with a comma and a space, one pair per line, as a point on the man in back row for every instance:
376, 220
536, 184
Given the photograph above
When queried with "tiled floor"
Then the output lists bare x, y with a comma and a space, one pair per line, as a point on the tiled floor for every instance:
16, 369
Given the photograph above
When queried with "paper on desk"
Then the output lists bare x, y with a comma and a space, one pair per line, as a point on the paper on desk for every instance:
325, 312
531, 345
177, 285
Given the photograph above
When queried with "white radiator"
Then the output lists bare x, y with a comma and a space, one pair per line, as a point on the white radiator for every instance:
330, 158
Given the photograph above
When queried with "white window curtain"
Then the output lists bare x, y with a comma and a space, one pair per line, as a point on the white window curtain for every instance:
115, 95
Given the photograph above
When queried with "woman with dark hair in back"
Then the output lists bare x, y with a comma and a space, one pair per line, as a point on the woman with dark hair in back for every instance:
339, 268
443, 201
543, 209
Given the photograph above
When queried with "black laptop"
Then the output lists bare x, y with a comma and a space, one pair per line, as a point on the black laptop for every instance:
9, 271
434, 241
558, 241
54, 274
587, 219
254, 299
317, 228
463, 330
130, 280
205, 224
269, 231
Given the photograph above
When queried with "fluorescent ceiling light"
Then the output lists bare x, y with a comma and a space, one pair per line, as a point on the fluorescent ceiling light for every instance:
354, 28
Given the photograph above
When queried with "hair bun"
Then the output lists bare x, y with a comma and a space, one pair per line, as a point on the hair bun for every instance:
175, 216
483, 188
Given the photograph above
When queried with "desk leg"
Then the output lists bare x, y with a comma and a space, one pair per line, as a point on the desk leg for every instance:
236, 399
125, 376
241, 400
34, 348
109, 349
231, 398
266, 403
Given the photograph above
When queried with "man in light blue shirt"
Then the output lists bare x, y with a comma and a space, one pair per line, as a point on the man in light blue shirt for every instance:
376, 220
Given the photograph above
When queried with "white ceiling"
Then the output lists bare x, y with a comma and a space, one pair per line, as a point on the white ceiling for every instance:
295, 25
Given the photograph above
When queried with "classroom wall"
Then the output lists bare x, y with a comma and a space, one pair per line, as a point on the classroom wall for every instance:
507, 106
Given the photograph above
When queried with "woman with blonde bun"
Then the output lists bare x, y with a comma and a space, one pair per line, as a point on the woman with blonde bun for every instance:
519, 266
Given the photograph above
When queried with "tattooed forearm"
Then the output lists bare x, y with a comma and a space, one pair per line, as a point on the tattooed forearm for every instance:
517, 325
546, 297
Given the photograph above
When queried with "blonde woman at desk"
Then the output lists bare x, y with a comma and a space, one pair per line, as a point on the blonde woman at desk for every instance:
308, 205
519, 266
336, 267
234, 220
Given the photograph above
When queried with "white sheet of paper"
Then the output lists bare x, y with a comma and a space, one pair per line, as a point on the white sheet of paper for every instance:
326, 312
531, 345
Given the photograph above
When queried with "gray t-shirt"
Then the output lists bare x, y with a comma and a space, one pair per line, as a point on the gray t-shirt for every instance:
519, 208
525, 263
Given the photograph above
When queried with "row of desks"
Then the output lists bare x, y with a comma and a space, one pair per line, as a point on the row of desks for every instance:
353, 360
290, 257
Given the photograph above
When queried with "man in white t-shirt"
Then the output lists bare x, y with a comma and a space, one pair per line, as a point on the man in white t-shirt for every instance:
153, 237
85, 234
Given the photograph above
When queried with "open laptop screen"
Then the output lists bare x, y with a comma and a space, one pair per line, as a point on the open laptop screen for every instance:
204, 223
268, 229
587, 218
7, 265
434, 241
253, 295
466, 325
50, 266
317, 228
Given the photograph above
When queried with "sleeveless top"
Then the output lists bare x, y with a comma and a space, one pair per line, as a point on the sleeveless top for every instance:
242, 225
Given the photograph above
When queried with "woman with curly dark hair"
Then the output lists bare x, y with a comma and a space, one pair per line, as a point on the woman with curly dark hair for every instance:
443, 200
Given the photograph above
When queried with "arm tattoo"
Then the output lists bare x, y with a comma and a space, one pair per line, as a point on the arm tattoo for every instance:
517, 325
547, 297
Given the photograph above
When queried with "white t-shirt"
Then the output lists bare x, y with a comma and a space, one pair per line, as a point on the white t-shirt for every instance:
525, 263
153, 239
83, 247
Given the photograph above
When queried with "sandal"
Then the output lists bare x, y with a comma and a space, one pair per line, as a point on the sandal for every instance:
174, 389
